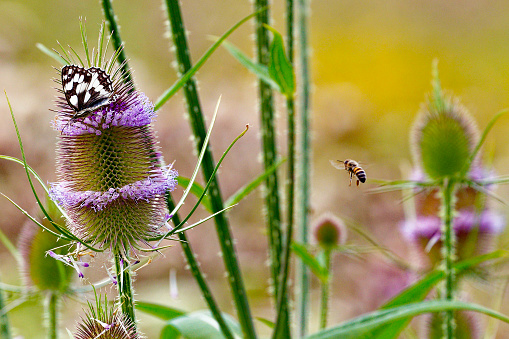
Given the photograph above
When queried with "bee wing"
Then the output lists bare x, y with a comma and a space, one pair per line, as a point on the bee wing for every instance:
337, 163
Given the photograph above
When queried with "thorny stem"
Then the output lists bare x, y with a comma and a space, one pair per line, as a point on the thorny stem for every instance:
324, 307
197, 274
111, 20
51, 306
303, 168
283, 311
198, 126
271, 191
448, 254
124, 284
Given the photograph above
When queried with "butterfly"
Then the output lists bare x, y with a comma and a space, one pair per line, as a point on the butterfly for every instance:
86, 90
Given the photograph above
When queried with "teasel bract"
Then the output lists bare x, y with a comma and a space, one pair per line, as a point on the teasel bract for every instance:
111, 177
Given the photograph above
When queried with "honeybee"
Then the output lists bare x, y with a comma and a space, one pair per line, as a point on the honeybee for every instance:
352, 167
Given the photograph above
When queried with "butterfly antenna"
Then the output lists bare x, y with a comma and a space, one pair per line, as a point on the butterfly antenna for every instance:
65, 126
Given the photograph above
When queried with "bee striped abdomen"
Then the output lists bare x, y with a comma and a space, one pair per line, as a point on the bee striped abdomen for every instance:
360, 173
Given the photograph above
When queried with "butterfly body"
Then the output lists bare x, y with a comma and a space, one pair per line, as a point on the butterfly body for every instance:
86, 90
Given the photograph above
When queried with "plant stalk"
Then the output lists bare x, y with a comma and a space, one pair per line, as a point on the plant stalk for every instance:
324, 297
448, 254
269, 151
111, 21
51, 306
5, 328
283, 310
303, 167
198, 126
197, 274
124, 285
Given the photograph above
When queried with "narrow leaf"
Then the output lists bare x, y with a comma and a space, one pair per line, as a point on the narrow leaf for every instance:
360, 326
266, 322
160, 311
245, 190
197, 190
184, 78
280, 68
419, 290
307, 258
261, 71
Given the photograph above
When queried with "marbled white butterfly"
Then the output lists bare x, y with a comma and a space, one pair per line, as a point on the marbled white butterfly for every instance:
86, 90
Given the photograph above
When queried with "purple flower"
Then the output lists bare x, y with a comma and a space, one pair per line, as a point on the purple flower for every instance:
475, 226
111, 177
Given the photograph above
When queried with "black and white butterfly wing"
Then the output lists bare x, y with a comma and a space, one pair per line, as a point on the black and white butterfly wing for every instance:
86, 89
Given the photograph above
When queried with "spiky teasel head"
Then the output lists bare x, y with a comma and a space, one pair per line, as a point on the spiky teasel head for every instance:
444, 135
330, 231
101, 321
111, 178
443, 138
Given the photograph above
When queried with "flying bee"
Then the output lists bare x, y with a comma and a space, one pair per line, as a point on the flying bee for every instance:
352, 167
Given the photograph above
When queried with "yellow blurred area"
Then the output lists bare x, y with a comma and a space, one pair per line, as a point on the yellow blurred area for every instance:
371, 69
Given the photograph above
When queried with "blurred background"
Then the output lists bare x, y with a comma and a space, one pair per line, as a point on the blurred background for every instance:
371, 70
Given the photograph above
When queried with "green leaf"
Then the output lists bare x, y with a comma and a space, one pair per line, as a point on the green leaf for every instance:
266, 322
160, 311
169, 332
280, 68
197, 190
483, 137
184, 78
201, 325
261, 71
361, 326
419, 290
313, 263
245, 190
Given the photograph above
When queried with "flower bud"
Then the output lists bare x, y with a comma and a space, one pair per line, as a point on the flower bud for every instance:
37, 268
330, 231
443, 137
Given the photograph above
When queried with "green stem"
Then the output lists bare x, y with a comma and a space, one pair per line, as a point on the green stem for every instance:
303, 169
124, 284
324, 307
5, 328
198, 126
197, 274
283, 311
51, 306
111, 21
271, 191
448, 253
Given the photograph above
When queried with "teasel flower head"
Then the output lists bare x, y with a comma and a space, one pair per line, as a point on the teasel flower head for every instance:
330, 231
443, 137
101, 321
111, 177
